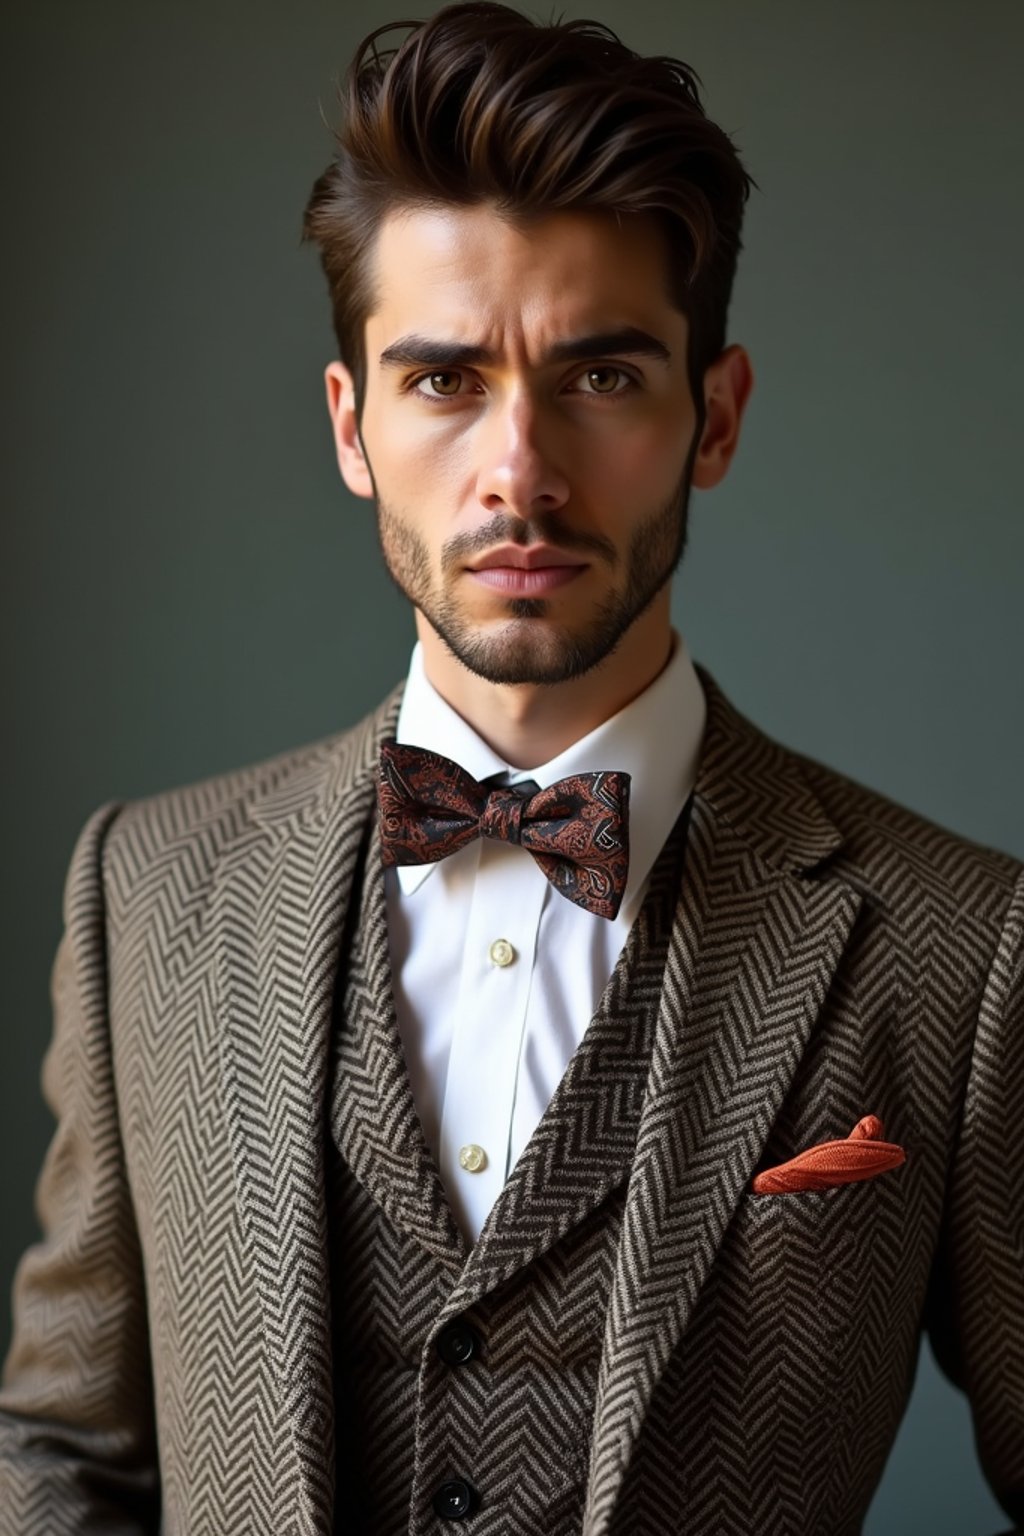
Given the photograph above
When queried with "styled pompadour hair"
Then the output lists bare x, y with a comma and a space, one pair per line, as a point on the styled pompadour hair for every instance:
480, 105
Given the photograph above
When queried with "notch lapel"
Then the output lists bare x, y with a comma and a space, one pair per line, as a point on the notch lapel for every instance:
280, 902
758, 934
373, 1115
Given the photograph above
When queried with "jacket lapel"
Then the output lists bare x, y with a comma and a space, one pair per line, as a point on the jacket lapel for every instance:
281, 899
373, 1115
758, 934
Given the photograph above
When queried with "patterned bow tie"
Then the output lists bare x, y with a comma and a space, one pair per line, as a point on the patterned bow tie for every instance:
576, 829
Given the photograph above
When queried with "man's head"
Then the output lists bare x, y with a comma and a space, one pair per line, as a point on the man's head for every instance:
501, 190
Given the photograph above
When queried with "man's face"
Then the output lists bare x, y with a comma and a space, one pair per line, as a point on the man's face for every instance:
589, 454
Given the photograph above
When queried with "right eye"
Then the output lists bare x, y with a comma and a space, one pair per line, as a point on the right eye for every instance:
435, 373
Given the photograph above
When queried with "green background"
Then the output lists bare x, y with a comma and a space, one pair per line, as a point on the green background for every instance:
188, 586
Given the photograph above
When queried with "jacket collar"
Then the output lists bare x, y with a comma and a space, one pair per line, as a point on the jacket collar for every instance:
750, 782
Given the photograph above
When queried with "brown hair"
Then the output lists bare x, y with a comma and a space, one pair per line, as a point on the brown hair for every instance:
480, 104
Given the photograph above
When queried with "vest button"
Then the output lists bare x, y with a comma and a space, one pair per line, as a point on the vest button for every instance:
455, 1499
457, 1342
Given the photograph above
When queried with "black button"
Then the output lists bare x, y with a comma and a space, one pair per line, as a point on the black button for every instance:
457, 1342
454, 1500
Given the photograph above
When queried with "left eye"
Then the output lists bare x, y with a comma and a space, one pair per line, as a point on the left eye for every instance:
599, 394
607, 368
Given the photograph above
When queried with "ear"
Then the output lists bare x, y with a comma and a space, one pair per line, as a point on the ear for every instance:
341, 407
727, 385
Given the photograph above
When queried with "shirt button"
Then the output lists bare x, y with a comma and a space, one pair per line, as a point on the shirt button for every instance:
455, 1499
501, 952
457, 1342
472, 1158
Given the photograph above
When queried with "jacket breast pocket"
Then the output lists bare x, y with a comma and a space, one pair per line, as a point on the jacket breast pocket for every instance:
815, 1266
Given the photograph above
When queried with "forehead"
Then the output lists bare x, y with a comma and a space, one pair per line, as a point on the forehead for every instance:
467, 268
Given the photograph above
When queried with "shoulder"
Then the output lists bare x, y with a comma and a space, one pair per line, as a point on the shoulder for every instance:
183, 831
913, 864
914, 867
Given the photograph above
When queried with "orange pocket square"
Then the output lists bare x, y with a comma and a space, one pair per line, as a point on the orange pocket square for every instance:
862, 1155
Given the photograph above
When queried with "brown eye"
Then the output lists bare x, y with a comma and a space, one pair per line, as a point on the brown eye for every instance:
593, 373
440, 394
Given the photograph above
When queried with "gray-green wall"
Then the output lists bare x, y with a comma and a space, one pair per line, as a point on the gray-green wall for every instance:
187, 585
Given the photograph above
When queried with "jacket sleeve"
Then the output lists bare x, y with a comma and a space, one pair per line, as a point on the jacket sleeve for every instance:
77, 1441
974, 1312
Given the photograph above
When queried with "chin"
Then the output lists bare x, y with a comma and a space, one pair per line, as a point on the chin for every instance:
524, 651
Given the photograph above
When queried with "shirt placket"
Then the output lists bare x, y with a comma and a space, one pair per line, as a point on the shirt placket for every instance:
490, 1016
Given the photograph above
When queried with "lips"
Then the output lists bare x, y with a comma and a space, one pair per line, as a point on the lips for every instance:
515, 580
511, 557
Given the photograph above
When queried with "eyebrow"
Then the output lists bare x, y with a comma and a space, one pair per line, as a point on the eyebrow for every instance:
414, 351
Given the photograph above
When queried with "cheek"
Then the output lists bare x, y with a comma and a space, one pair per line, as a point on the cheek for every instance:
645, 461
433, 475
421, 478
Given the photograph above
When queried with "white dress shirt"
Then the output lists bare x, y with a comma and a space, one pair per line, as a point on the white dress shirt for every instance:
496, 974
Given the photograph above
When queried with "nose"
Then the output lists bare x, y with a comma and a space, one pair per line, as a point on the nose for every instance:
517, 472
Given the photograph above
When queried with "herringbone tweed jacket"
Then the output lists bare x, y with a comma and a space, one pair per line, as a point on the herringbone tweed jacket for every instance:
831, 955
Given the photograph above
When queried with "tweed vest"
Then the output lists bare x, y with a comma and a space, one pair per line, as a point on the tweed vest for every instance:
465, 1376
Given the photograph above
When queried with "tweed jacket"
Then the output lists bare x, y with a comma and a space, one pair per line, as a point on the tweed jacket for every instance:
832, 955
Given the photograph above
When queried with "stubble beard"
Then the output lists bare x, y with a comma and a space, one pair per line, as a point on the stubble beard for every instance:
524, 650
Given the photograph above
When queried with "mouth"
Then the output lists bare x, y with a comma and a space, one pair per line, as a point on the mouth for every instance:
523, 582
526, 572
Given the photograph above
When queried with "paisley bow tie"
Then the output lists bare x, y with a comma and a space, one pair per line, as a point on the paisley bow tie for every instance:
576, 829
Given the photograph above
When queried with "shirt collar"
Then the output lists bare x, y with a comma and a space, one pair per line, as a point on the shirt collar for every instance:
656, 739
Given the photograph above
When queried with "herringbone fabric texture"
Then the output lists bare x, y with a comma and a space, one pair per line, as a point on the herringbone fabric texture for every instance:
832, 955
535, 1285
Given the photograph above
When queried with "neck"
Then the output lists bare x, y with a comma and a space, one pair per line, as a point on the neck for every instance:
529, 723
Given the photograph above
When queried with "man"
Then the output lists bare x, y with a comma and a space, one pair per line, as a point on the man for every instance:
551, 1104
